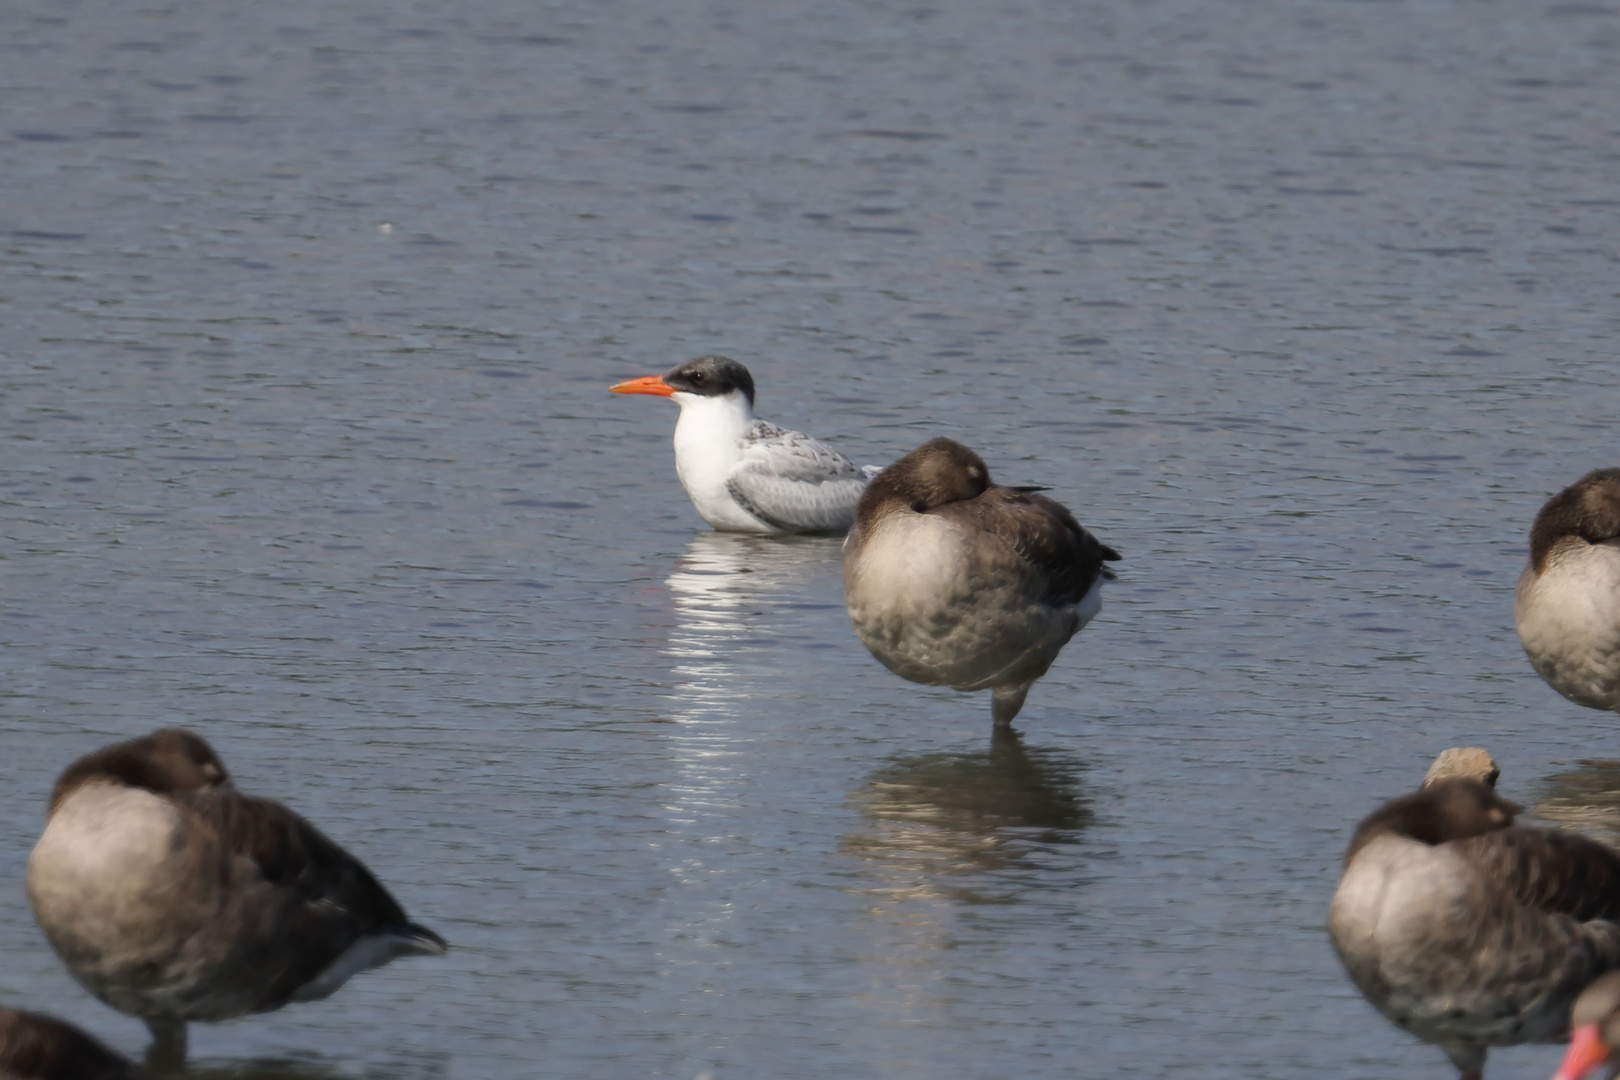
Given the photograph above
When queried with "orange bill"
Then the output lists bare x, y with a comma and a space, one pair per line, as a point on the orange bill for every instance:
647, 384
1586, 1052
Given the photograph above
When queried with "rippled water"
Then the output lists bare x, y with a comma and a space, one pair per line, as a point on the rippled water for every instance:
306, 319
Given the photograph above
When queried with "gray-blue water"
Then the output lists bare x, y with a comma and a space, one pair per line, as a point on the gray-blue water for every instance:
307, 315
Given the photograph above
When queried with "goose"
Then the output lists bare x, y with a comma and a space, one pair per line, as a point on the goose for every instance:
1468, 931
744, 474
1567, 604
38, 1047
952, 580
1594, 1035
172, 897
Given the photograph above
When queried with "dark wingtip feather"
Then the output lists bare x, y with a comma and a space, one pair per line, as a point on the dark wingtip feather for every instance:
422, 939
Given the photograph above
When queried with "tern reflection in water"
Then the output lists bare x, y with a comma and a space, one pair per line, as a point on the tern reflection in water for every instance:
741, 604
1586, 798
938, 821
731, 594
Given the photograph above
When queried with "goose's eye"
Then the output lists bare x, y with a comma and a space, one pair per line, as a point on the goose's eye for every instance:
919, 506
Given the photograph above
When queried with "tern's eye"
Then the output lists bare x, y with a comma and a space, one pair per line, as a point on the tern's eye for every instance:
696, 377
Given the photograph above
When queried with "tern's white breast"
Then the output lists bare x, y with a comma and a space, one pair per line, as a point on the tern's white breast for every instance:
708, 443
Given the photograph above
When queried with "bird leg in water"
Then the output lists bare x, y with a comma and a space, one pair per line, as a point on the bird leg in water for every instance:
1005, 703
168, 1050
1469, 1059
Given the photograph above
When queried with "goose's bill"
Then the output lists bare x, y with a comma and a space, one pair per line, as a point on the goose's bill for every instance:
1586, 1052
647, 384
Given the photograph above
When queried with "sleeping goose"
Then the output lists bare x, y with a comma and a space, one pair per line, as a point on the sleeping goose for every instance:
952, 580
1470, 932
744, 474
38, 1047
1567, 604
172, 897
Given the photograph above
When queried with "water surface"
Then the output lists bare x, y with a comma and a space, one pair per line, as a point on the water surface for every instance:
307, 315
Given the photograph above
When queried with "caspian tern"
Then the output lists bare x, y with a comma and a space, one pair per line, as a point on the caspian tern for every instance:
744, 474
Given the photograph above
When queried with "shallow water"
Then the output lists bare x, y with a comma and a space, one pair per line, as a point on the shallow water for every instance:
306, 321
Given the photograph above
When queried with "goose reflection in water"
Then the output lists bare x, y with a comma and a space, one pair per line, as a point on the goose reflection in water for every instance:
1586, 798
939, 822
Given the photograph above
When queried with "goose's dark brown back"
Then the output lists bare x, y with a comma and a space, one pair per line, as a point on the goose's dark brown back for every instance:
293, 854
330, 899
1548, 871
1041, 532
1554, 872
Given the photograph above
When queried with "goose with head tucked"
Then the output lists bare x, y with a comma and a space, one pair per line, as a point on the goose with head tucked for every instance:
744, 474
952, 580
1468, 931
38, 1047
1567, 604
173, 897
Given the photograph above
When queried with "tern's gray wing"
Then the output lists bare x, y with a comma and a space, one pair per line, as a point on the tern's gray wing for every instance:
794, 482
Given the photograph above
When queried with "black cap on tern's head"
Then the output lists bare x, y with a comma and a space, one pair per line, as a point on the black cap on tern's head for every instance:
165, 762
711, 376
939, 471
1594, 1029
1451, 809
1589, 508
707, 376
